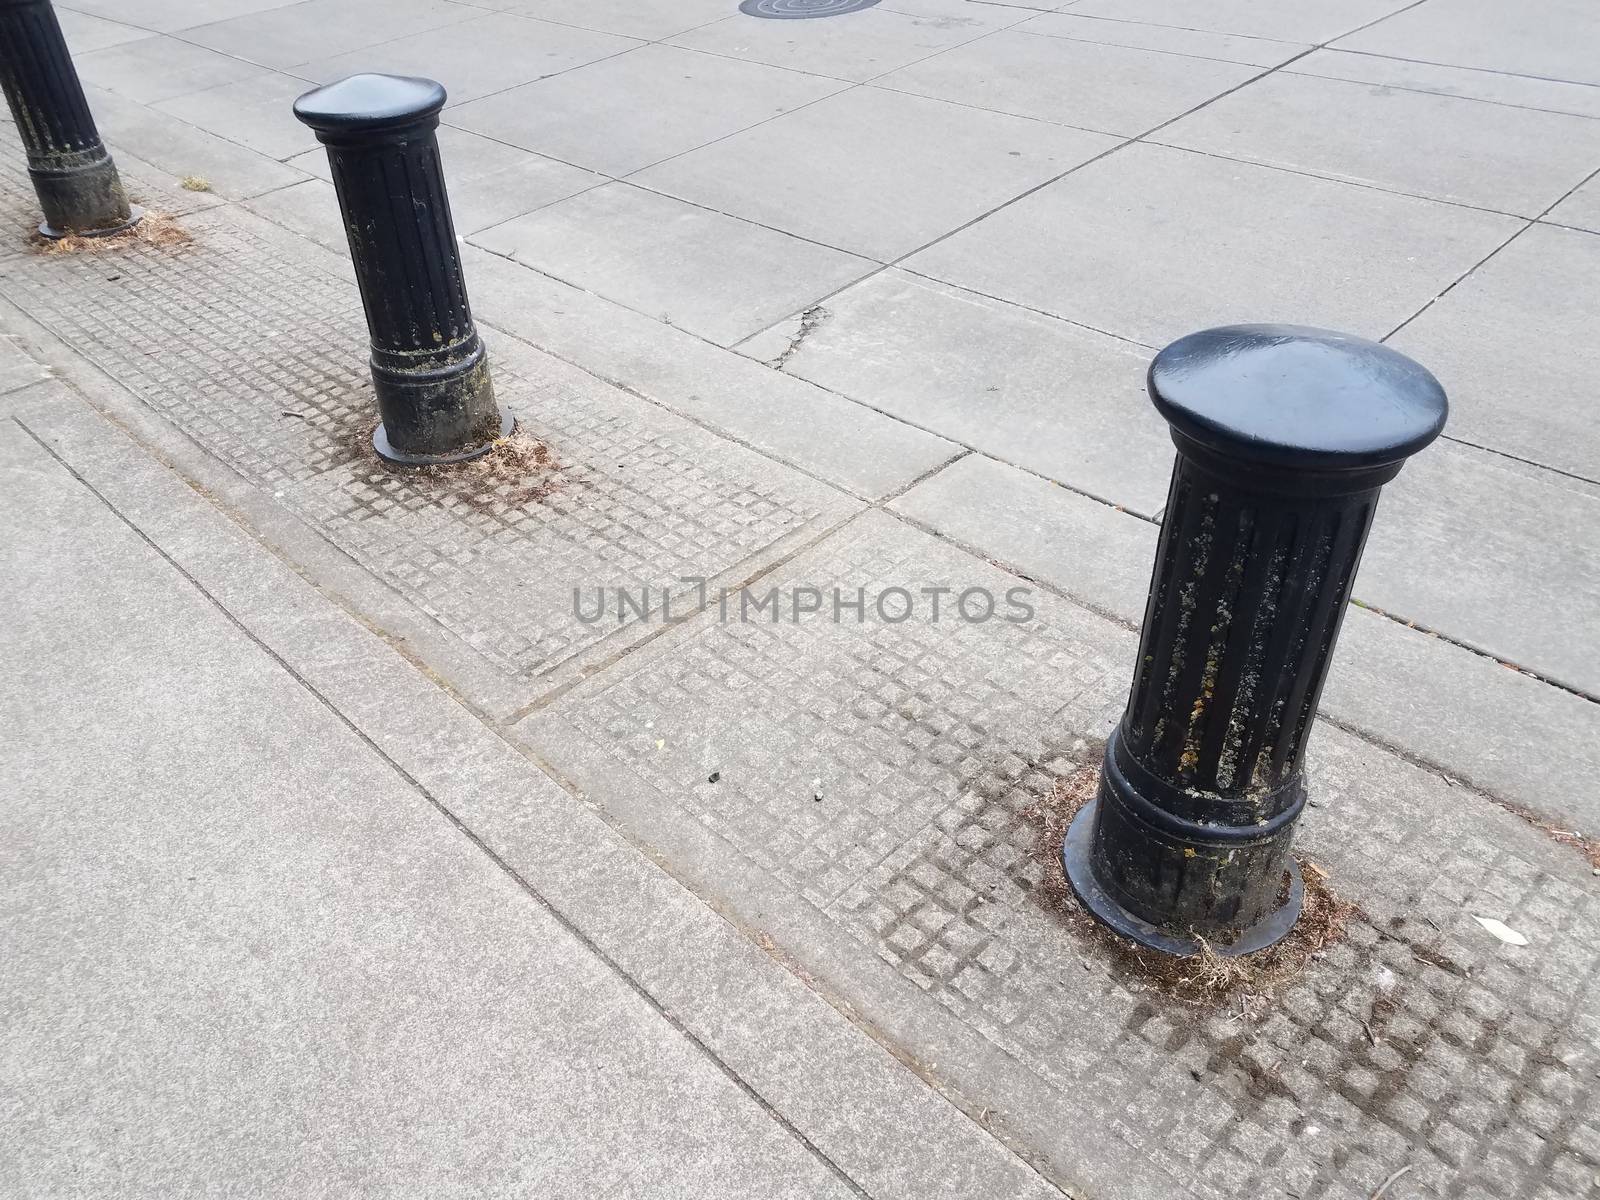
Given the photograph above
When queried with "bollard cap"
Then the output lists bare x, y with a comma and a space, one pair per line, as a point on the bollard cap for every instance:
370, 104
1288, 396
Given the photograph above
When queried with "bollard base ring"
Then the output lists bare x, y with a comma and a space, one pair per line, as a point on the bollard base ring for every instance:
135, 215
1076, 857
380, 443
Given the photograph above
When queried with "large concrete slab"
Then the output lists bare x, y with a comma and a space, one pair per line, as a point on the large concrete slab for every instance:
688, 266
170, 16
638, 108
1555, 41
275, 964
86, 33
1055, 398
1550, 95
1515, 160
1197, 43
1152, 243
1289, 20
1581, 210
489, 53
257, 113
1518, 348
1114, 89
875, 172
855, 46
285, 37
159, 68
651, 20
1516, 737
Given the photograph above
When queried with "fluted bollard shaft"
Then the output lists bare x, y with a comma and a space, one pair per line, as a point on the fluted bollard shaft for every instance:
429, 371
1285, 438
76, 181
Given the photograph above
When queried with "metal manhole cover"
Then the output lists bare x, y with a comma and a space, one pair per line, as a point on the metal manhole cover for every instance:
795, 10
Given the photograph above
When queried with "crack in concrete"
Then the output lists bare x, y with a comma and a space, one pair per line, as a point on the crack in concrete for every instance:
810, 321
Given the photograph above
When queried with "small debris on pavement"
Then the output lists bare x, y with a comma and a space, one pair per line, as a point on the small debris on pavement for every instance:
714, 776
1502, 931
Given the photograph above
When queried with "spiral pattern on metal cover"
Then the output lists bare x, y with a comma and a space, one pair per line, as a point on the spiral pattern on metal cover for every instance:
801, 9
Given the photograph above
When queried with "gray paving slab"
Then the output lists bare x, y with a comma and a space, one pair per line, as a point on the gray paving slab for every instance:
1515, 570
1112, 89
310, 208
651, 20
1290, 20
159, 68
1581, 210
1491, 37
688, 266
275, 966
1524, 91
257, 113
489, 181
1500, 730
875, 172
473, 58
856, 46
916, 887
86, 33
181, 150
826, 435
1055, 398
638, 108
1517, 345
283, 37
1152, 243
847, 1094
170, 16
1515, 160
1197, 43
18, 368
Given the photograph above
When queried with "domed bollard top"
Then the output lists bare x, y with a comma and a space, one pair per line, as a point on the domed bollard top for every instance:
1285, 437
429, 371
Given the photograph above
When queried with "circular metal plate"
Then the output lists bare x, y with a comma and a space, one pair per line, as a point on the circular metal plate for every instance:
799, 10
1075, 857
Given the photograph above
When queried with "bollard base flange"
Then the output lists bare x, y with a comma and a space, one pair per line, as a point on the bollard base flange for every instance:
1076, 858
135, 215
380, 443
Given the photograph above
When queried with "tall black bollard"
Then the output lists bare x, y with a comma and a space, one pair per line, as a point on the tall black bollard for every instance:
77, 183
435, 399
1285, 437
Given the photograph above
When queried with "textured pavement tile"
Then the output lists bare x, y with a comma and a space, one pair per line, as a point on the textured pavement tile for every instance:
1152, 243
289, 36
211, 954
1290, 20
1581, 210
1556, 41
1091, 85
1055, 398
1254, 51
1514, 570
159, 68
874, 172
488, 181
856, 45
1523, 91
919, 887
474, 58
826, 435
181, 150
257, 113
85, 33
169, 16
1518, 348
699, 270
630, 111
649, 19
1514, 160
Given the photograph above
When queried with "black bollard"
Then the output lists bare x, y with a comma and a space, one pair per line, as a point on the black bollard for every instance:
1285, 437
430, 374
76, 181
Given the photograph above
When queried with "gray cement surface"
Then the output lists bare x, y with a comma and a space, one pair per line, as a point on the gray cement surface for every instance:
746, 282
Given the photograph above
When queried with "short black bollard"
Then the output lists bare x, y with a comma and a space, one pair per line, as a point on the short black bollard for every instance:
435, 399
76, 181
1285, 437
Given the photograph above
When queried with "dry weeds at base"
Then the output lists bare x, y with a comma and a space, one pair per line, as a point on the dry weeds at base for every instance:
154, 229
519, 469
1208, 978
